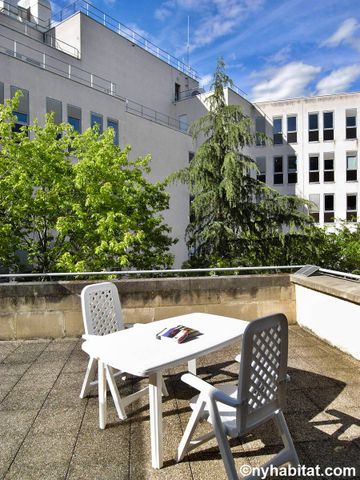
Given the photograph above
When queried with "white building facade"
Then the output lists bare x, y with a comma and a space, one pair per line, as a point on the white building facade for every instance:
88, 68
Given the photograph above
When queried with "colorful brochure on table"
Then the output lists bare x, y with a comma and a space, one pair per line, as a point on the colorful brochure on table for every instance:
179, 334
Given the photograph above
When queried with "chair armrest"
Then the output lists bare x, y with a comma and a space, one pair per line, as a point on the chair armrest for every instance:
88, 336
209, 390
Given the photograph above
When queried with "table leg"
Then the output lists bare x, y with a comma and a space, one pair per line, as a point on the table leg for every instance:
155, 390
102, 394
192, 366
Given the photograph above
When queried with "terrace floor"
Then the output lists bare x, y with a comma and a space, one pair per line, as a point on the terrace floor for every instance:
47, 432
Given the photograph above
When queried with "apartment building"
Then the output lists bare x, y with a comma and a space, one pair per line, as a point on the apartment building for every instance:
315, 152
88, 68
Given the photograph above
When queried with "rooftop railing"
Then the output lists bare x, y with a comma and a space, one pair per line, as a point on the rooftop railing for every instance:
162, 272
155, 116
13, 277
43, 60
121, 29
27, 20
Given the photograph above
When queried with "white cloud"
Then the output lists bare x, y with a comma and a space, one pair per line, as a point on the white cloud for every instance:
288, 81
344, 33
143, 33
218, 17
162, 13
206, 80
339, 80
280, 57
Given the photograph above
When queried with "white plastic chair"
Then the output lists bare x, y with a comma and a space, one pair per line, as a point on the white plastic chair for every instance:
101, 311
234, 410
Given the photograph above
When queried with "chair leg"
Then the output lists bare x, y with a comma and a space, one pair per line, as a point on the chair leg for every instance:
287, 439
222, 441
190, 428
102, 394
115, 393
89, 376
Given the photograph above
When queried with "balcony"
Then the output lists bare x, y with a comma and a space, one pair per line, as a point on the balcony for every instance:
48, 432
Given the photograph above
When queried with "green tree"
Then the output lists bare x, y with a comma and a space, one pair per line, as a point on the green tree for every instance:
98, 212
115, 220
235, 218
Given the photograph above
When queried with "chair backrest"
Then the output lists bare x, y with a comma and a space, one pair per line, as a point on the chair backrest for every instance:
101, 309
262, 376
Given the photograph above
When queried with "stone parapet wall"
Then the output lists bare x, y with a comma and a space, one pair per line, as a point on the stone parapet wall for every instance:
52, 309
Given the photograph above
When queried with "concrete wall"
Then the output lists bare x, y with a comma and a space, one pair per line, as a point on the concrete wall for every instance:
330, 308
52, 309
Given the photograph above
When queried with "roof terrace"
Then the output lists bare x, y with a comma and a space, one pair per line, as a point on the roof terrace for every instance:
48, 432
101, 17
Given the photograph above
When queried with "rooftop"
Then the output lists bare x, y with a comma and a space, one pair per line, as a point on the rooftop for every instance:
109, 22
47, 432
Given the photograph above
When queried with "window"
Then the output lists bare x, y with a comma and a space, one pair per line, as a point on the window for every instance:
314, 209
351, 123
329, 167
313, 127
351, 207
22, 112
329, 208
96, 119
261, 164
314, 168
260, 128
183, 122
54, 106
351, 166
291, 129
177, 92
328, 126
292, 169
277, 131
114, 124
278, 171
1, 92
74, 117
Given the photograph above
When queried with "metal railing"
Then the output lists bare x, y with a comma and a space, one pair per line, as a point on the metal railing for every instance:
126, 32
336, 273
52, 41
176, 272
193, 92
124, 273
155, 116
27, 20
45, 61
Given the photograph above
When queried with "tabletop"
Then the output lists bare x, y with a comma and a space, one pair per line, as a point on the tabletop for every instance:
138, 351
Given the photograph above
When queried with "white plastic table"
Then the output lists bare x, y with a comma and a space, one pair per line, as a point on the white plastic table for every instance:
138, 352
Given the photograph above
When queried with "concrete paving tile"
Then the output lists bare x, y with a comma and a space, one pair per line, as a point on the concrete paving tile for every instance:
37, 449
332, 398
84, 471
103, 447
20, 399
53, 420
53, 471
6, 384
298, 401
334, 454
10, 443
15, 422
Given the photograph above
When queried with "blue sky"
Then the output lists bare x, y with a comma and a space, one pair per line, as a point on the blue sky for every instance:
273, 48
